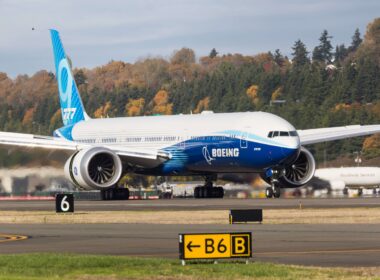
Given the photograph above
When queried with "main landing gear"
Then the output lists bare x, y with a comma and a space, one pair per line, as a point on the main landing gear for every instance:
115, 194
208, 190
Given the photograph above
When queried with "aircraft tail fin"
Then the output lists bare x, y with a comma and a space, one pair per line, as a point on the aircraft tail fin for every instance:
71, 104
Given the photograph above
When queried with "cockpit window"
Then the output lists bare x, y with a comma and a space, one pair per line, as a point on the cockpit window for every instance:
273, 134
293, 133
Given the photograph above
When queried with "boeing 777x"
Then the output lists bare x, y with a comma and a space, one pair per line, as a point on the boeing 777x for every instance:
103, 150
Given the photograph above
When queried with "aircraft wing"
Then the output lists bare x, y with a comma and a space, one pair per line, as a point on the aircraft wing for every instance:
36, 141
145, 158
319, 135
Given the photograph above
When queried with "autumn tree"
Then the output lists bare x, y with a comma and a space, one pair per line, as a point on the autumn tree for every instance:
183, 56
103, 111
135, 107
203, 105
252, 93
161, 103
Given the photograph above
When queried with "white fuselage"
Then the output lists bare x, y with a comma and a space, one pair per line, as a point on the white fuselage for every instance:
208, 142
162, 131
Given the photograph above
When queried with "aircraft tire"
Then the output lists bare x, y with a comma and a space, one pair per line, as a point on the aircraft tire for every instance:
220, 192
197, 192
360, 192
102, 195
105, 194
269, 192
207, 192
345, 191
276, 192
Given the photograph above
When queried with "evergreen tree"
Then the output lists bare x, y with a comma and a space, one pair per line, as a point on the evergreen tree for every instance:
356, 41
213, 53
278, 58
340, 53
322, 52
300, 54
80, 77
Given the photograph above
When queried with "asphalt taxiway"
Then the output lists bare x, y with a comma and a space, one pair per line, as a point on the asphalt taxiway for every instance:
305, 244
194, 204
317, 245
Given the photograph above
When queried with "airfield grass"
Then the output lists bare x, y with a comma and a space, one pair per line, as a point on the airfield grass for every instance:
271, 216
86, 267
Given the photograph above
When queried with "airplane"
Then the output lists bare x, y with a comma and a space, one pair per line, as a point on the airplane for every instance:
343, 178
205, 144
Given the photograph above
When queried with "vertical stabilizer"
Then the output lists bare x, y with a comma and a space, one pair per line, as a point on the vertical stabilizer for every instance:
71, 104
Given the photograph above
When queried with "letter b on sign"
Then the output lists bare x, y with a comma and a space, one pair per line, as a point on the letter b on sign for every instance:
240, 245
64, 203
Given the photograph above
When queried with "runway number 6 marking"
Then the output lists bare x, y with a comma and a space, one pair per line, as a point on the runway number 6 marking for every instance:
215, 245
64, 203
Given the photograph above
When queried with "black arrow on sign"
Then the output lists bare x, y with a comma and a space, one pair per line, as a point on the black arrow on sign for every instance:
189, 246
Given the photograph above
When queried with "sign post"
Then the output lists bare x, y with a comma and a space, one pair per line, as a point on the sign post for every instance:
215, 245
64, 203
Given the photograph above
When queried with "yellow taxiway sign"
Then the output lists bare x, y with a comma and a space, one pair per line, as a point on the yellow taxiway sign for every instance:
215, 245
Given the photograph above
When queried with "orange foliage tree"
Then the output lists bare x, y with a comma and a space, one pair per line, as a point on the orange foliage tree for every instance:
28, 116
134, 107
161, 105
103, 111
202, 105
252, 93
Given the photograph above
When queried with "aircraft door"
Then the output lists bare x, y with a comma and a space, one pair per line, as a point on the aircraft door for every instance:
243, 140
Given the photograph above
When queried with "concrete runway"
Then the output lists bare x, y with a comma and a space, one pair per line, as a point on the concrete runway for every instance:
194, 204
316, 245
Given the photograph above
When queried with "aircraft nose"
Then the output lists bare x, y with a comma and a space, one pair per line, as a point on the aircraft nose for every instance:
292, 152
290, 155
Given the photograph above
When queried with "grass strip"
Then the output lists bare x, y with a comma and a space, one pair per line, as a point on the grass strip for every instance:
73, 266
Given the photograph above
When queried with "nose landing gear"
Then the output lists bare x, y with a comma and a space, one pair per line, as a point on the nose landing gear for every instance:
274, 190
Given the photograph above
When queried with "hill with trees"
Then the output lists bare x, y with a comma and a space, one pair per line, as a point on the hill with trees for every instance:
322, 87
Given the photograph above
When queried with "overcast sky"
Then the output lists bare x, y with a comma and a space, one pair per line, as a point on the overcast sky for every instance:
97, 31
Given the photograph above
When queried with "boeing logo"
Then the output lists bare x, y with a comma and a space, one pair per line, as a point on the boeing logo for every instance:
219, 153
232, 152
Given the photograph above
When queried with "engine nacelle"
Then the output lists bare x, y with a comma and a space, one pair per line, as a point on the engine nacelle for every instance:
94, 168
300, 172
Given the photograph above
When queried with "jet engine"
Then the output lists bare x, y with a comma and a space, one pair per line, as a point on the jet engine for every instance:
300, 172
94, 168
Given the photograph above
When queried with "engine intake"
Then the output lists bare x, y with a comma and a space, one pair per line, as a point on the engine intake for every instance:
300, 172
94, 168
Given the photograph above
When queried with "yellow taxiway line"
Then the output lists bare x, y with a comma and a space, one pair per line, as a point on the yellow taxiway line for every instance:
11, 237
